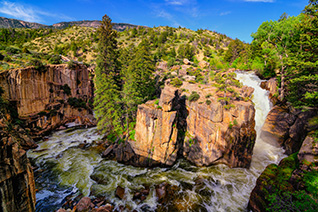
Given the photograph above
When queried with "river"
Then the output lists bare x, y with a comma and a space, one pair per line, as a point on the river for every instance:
67, 161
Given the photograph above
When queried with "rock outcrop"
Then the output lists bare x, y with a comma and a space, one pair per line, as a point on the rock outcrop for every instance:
290, 185
50, 97
272, 86
204, 133
287, 127
17, 186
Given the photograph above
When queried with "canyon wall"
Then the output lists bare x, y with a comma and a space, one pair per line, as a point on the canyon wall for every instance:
40, 100
17, 186
49, 97
203, 133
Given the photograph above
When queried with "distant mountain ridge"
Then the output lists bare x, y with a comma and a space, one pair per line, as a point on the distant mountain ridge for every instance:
14, 23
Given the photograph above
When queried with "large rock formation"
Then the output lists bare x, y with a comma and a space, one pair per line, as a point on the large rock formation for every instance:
205, 133
17, 188
291, 186
287, 127
49, 97
272, 86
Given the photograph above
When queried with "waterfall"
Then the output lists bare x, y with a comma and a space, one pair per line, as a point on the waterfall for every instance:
65, 168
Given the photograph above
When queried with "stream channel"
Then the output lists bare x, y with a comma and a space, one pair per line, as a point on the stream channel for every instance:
64, 168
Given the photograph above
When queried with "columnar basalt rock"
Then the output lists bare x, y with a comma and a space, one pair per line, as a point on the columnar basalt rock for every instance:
216, 135
43, 97
204, 134
17, 186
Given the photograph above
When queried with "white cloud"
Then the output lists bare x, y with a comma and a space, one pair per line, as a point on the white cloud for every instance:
225, 13
168, 16
267, 1
27, 13
19, 11
177, 2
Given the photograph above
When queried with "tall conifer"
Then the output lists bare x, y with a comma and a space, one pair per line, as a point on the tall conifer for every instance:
108, 81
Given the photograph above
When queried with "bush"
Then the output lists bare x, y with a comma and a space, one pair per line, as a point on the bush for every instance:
66, 89
12, 50
77, 103
71, 65
37, 64
194, 96
176, 82
55, 59
208, 102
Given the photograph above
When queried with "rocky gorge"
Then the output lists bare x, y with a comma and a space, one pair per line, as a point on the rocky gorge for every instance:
39, 101
211, 130
294, 130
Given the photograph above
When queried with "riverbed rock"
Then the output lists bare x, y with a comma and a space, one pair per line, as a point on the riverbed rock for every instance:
120, 192
84, 205
46, 99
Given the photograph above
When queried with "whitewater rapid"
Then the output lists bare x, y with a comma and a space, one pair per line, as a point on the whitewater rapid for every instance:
63, 168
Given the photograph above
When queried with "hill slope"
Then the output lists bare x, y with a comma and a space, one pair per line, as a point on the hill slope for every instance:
14, 23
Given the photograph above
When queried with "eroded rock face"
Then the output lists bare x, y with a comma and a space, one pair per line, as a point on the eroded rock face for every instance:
156, 134
287, 127
216, 135
17, 187
272, 86
204, 134
42, 97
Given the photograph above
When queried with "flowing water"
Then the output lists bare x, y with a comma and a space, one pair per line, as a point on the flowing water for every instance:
67, 163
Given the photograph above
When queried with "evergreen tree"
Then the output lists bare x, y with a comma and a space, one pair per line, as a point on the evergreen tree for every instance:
108, 107
303, 72
138, 80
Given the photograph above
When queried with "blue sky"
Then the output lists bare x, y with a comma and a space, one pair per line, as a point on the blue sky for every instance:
235, 18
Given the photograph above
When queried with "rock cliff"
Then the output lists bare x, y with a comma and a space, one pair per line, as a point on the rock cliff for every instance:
287, 127
204, 133
49, 97
17, 187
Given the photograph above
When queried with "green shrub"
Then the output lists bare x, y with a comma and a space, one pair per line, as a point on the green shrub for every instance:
71, 64
37, 64
66, 89
77, 103
208, 102
176, 82
194, 96
55, 59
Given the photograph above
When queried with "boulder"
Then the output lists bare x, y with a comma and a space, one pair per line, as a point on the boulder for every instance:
84, 205
120, 192
204, 64
187, 62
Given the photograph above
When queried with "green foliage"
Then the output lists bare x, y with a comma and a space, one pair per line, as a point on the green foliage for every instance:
107, 103
38, 65
55, 59
208, 102
71, 64
176, 82
194, 96
66, 89
77, 102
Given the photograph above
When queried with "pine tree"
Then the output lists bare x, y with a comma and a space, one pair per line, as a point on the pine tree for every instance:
138, 79
108, 107
303, 73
